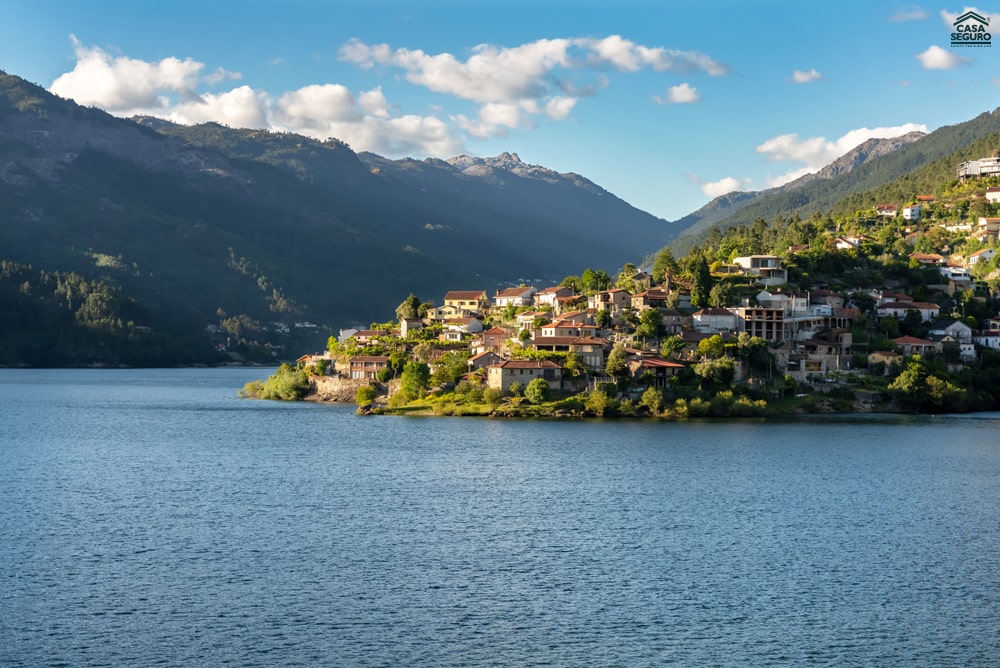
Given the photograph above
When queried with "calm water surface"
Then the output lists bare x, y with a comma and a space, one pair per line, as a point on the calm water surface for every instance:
154, 518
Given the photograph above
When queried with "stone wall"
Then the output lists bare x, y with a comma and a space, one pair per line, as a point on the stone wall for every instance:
342, 390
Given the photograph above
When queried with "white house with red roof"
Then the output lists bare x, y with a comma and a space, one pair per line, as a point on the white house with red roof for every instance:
984, 255
550, 296
929, 312
518, 297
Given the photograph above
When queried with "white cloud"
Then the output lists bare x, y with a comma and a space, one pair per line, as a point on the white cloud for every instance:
631, 57
936, 58
125, 85
169, 89
680, 94
560, 107
816, 152
512, 84
723, 186
803, 77
489, 75
949, 17
220, 75
512, 88
316, 106
373, 102
528, 71
240, 108
363, 121
911, 13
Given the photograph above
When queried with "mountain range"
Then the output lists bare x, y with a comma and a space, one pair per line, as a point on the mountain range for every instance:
726, 206
192, 224
210, 217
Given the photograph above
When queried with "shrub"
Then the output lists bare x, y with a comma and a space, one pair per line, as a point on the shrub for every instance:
610, 390
597, 403
397, 400
365, 395
493, 396
537, 391
652, 399
699, 408
285, 384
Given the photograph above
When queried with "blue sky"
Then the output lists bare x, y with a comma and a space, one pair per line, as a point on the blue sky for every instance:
665, 104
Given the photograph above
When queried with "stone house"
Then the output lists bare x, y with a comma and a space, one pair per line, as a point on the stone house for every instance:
503, 374
366, 367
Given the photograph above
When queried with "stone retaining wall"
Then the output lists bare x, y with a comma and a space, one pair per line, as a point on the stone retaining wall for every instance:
338, 389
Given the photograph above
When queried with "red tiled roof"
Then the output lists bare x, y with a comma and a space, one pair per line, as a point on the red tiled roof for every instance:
526, 364
513, 292
911, 305
659, 362
465, 295
912, 340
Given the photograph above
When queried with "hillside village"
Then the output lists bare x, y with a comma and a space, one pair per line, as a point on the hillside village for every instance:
855, 306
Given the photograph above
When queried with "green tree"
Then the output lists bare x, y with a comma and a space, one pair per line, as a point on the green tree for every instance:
625, 281
415, 380
673, 346
422, 352
652, 399
450, 367
603, 320
910, 386
889, 326
285, 384
537, 391
573, 282
410, 308
573, 366
716, 374
721, 295
712, 347
493, 396
365, 395
597, 403
912, 323
701, 281
650, 324
617, 363
664, 266
515, 389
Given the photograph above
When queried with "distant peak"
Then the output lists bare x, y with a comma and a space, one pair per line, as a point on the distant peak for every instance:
509, 157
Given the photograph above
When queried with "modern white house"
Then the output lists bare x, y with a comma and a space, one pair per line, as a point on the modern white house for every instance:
767, 267
715, 320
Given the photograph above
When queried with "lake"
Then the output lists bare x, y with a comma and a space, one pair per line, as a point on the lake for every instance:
152, 517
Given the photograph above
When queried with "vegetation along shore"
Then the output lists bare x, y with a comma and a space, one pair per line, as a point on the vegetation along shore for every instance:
888, 307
